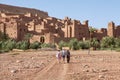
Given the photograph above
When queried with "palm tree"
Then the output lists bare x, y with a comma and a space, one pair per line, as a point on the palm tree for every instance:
91, 32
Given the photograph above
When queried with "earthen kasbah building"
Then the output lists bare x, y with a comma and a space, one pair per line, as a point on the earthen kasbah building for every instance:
18, 21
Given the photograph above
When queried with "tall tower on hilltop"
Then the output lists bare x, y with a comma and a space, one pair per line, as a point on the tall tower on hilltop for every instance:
111, 29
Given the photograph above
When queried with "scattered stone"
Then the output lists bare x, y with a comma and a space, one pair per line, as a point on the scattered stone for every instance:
18, 61
77, 73
48, 60
86, 66
43, 64
101, 76
83, 70
13, 71
95, 71
32, 58
86, 70
36, 65
104, 70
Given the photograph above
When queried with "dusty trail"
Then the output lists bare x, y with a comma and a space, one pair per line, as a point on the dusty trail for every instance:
54, 71
57, 71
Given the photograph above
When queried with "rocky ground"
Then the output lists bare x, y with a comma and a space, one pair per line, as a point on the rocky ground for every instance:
42, 65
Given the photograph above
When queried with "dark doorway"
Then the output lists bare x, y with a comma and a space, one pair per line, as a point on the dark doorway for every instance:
42, 39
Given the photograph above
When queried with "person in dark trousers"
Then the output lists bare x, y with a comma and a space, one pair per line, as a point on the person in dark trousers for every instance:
64, 52
68, 56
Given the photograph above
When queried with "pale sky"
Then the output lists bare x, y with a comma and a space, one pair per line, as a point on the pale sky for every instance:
98, 12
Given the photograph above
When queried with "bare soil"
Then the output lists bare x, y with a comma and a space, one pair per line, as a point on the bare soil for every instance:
43, 65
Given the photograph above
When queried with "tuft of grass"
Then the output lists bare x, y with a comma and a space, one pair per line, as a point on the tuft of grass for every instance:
3, 51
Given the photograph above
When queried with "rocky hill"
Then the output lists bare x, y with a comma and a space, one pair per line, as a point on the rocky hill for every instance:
21, 10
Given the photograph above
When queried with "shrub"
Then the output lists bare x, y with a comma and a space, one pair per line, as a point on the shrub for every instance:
84, 44
62, 44
45, 45
17, 46
4, 43
117, 49
52, 46
7, 44
35, 45
73, 44
10, 44
1, 42
24, 45
108, 42
5, 50
117, 42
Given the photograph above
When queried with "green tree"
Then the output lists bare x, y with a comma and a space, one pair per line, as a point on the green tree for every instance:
108, 42
74, 44
84, 45
92, 30
94, 43
62, 44
117, 42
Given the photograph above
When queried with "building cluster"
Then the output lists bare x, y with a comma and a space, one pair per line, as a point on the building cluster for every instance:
49, 29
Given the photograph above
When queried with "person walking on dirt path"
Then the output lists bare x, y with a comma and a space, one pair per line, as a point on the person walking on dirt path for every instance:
68, 56
58, 56
64, 52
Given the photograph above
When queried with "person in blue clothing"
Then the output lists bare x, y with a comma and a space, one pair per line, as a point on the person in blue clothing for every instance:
64, 52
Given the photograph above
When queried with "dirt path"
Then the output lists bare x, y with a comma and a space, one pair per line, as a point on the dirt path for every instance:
54, 71
58, 71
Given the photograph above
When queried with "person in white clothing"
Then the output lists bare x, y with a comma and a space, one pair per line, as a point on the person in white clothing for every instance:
58, 56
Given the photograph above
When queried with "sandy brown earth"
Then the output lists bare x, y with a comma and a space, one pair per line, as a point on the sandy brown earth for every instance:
42, 65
